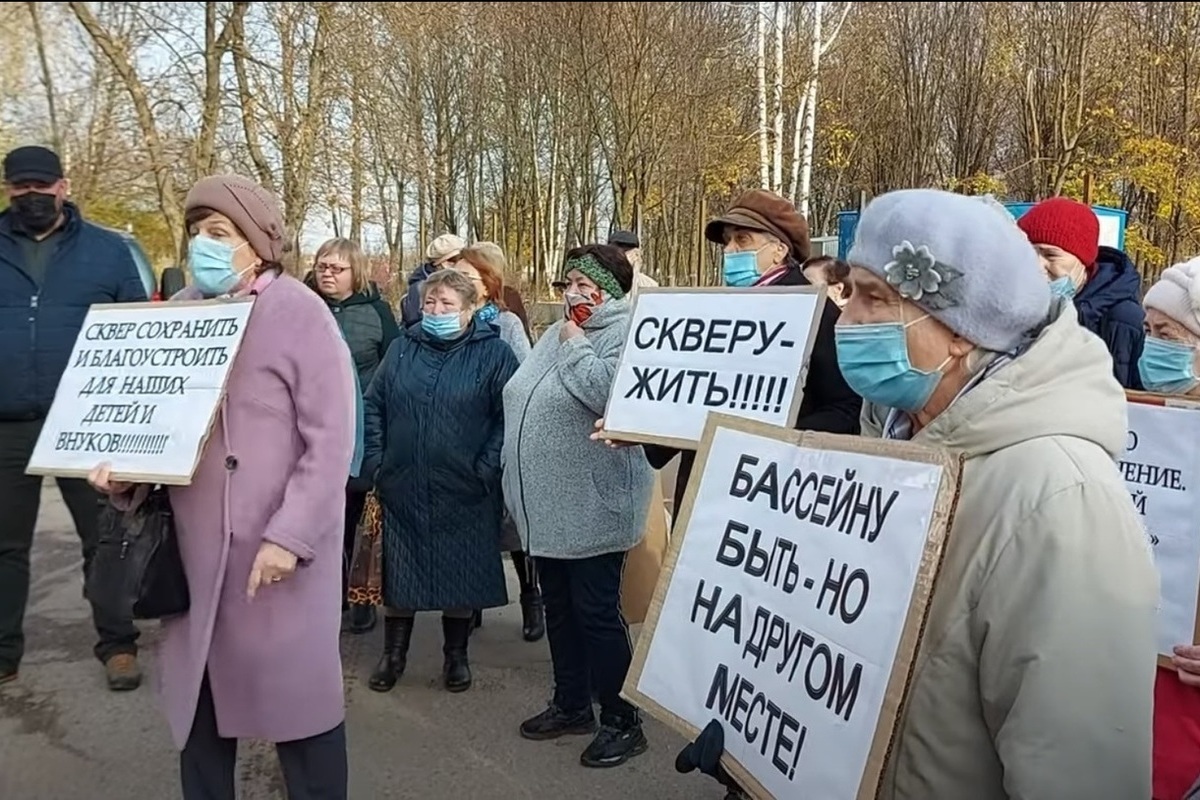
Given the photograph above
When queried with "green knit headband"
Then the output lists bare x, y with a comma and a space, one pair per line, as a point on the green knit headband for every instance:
589, 266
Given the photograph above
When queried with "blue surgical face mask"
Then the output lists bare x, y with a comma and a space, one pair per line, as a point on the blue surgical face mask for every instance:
740, 268
1063, 287
1167, 367
212, 268
443, 326
874, 361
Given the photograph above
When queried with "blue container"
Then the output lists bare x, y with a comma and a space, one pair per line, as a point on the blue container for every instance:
847, 221
1112, 225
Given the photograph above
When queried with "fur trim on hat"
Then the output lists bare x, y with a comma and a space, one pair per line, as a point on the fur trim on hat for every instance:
1176, 294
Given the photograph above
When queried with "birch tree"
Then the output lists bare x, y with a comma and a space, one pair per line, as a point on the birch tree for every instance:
777, 102
806, 112
760, 63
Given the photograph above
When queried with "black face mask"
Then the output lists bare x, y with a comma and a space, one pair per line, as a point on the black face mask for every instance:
35, 212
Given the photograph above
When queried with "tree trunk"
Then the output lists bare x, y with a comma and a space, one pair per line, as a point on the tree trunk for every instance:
248, 105
161, 164
810, 113
215, 47
760, 63
777, 104
39, 41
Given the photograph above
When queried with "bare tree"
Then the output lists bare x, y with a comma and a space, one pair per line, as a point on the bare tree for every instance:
117, 54
47, 79
806, 110
760, 62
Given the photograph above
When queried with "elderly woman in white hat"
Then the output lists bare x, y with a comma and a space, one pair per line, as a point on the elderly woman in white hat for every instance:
1170, 364
1035, 676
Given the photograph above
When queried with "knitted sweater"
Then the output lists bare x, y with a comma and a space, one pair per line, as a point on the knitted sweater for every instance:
571, 497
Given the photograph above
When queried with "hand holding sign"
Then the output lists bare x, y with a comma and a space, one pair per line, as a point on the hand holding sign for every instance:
1186, 660
101, 480
599, 436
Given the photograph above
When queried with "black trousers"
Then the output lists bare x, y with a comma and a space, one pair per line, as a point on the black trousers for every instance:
313, 768
20, 496
589, 640
355, 502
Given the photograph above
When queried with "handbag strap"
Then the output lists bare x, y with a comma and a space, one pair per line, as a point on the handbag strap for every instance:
140, 492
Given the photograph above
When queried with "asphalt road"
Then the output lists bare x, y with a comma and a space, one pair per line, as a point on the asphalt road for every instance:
64, 736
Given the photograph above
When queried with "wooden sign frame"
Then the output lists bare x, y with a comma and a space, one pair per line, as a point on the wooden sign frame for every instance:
896, 693
822, 297
1170, 401
138, 477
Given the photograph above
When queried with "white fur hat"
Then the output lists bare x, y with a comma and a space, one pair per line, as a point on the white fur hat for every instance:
1177, 294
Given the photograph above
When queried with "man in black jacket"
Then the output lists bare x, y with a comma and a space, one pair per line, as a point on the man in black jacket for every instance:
53, 266
767, 225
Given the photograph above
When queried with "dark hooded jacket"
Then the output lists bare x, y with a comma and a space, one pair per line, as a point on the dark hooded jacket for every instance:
1110, 306
410, 306
368, 326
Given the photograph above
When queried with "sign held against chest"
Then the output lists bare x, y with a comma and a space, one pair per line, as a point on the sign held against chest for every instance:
792, 602
1161, 469
690, 351
141, 390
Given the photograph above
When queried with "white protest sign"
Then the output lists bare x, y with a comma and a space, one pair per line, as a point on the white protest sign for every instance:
1161, 467
792, 601
690, 351
141, 390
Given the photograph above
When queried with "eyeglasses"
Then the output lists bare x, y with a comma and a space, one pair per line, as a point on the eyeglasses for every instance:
330, 269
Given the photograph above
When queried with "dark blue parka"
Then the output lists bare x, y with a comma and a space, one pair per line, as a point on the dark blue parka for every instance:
39, 320
1110, 306
434, 431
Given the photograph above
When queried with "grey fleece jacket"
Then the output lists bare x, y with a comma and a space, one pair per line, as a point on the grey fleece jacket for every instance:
570, 497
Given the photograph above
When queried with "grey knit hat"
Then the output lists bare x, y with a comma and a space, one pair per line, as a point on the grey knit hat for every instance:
959, 260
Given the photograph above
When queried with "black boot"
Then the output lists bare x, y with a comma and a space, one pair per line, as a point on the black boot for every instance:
533, 616
397, 633
456, 673
362, 619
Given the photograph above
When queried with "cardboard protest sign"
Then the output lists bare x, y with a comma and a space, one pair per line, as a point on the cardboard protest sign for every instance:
141, 390
1161, 467
690, 351
792, 602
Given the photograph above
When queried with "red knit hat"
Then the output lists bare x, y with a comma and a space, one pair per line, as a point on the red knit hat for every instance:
1067, 224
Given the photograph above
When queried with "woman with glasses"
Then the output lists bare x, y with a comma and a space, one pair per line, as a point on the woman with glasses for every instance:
340, 276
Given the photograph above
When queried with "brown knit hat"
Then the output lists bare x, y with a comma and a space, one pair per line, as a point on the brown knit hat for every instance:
252, 208
760, 210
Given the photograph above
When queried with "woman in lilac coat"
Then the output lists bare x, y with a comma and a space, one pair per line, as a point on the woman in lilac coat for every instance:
260, 526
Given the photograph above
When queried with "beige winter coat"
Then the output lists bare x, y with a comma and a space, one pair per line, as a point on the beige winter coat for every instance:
1035, 678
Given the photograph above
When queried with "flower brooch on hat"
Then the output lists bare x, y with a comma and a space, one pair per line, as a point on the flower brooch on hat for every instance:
918, 276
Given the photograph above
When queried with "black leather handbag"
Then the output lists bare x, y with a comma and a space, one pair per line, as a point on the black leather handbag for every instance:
137, 572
